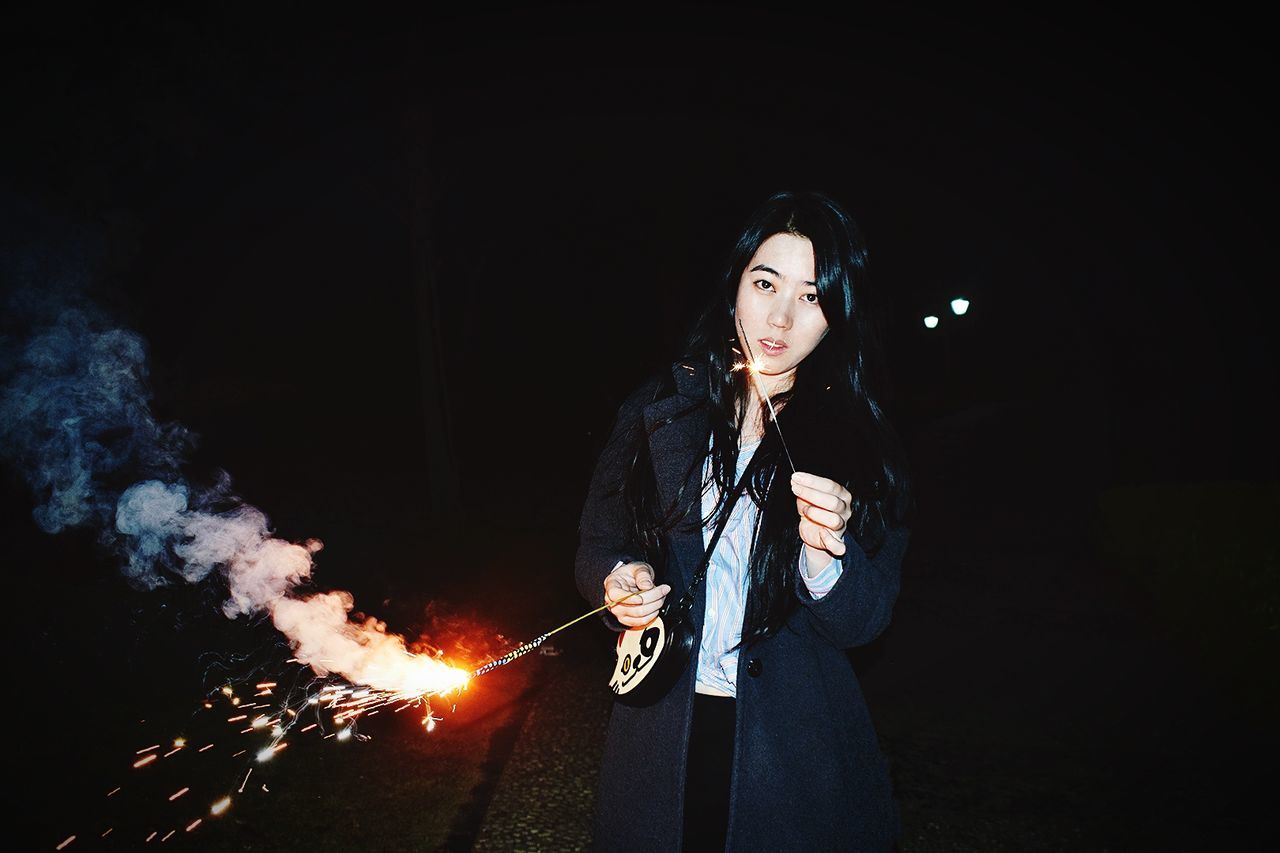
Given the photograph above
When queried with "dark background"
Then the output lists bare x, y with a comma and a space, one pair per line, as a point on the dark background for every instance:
397, 269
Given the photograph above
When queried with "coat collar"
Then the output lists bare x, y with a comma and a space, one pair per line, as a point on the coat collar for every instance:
677, 450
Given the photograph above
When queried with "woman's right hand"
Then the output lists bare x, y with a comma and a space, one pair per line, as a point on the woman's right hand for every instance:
637, 599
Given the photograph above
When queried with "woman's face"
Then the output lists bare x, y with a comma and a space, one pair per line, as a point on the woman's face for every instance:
777, 307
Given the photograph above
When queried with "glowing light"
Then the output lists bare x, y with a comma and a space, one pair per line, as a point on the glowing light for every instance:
959, 305
757, 365
65, 842
142, 762
931, 322
344, 734
220, 806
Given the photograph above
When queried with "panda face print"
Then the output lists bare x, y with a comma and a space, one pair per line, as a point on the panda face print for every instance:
636, 650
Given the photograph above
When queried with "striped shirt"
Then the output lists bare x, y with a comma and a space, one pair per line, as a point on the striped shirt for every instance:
726, 583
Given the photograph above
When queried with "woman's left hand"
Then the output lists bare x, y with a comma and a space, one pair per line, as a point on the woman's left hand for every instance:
825, 507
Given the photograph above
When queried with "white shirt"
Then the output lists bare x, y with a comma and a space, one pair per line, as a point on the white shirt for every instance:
726, 583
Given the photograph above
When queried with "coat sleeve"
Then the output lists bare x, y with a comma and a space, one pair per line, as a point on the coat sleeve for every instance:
603, 538
859, 606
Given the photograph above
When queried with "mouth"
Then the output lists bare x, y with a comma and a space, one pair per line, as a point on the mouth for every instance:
771, 346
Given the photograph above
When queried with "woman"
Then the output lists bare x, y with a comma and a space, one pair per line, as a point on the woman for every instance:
765, 743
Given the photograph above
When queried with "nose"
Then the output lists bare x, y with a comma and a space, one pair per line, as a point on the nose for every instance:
780, 314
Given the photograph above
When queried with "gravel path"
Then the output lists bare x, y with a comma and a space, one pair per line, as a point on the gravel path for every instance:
544, 797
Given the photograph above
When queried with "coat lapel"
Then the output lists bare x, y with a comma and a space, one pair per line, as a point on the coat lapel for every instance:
678, 449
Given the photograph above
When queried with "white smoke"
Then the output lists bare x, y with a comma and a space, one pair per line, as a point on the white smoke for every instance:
75, 417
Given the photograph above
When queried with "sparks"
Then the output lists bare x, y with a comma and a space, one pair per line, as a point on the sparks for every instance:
754, 367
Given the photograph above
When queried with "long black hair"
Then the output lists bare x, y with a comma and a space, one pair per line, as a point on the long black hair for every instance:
831, 417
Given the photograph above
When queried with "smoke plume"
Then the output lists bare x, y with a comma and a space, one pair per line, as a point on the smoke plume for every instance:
76, 421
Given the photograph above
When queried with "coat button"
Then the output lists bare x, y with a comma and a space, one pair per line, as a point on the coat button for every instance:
754, 666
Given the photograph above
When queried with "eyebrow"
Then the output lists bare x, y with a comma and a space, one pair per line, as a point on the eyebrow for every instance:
772, 271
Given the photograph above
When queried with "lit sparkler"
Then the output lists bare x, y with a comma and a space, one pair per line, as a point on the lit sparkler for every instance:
272, 716
753, 366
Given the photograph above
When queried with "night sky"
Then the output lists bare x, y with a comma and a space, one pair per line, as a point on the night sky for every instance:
396, 270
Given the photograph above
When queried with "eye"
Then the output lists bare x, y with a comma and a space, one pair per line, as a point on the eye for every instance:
764, 284
811, 298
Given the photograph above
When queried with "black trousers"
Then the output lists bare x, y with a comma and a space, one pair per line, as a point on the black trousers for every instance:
709, 773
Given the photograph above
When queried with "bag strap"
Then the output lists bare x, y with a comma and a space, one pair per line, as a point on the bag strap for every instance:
686, 600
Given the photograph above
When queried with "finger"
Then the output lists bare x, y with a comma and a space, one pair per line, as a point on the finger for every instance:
822, 538
821, 484
644, 598
644, 612
813, 481
643, 575
622, 597
616, 587
811, 535
637, 600
818, 497
823, 517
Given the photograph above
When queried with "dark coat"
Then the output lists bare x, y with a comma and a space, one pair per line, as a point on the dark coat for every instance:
808, 771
